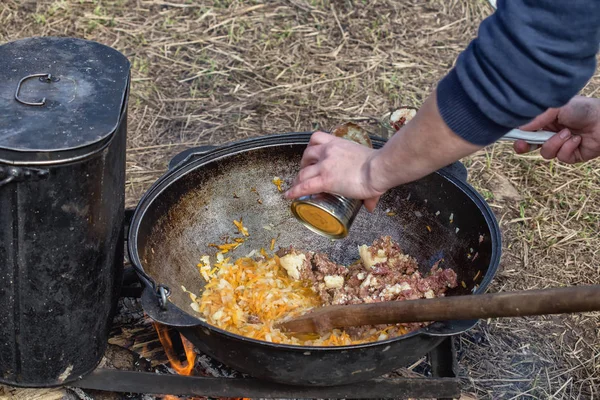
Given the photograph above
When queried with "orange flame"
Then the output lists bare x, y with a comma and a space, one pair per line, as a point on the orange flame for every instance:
181, 368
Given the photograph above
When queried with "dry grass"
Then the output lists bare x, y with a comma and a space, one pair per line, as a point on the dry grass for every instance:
550, 227
217, 71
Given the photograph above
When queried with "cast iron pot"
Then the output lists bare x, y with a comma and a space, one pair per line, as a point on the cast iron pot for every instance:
195, 202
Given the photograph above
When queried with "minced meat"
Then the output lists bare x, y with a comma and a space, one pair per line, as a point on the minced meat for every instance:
383, 273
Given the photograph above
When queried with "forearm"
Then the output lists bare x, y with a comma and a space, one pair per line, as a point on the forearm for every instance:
423, 146
529, 56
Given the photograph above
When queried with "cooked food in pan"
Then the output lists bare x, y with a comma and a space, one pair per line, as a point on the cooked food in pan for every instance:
248, 296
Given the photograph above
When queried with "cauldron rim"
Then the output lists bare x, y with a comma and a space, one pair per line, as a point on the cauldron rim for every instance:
191, 164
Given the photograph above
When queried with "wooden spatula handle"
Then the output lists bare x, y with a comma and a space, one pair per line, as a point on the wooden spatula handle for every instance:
510, 304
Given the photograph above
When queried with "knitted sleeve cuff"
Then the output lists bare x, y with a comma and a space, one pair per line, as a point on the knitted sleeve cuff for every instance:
462, 114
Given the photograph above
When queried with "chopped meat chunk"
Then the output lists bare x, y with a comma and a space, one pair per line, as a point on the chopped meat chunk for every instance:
383, 273
323, 266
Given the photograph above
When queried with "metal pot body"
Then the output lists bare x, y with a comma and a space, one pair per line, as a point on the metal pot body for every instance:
193, 205
62, 251
62, 178
309, 367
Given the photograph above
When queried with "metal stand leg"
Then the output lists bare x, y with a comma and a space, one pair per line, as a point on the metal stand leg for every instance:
443, 361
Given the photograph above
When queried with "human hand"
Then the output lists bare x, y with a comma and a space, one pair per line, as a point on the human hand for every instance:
339, 166
578, 127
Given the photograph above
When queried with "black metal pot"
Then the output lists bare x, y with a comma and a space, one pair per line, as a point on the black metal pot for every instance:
193, 205
63, 105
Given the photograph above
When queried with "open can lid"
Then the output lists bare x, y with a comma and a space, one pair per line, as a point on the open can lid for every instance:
61, 99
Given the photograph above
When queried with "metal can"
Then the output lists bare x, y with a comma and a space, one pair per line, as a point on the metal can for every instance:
327, 214
63, 127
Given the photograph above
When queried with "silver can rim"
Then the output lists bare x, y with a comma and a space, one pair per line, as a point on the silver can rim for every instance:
305, 200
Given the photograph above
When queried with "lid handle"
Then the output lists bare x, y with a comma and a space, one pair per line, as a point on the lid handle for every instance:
44, 78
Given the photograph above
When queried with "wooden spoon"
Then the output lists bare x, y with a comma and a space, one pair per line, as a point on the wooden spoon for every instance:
481, 306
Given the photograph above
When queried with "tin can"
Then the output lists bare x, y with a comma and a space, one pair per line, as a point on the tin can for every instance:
327, 214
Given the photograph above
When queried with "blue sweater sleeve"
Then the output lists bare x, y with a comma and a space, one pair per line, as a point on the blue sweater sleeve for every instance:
530, 55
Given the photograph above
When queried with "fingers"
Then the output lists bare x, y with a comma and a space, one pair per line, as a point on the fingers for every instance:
306, 173
308, 180
370, 204
568, 151
311, 185
542, 120
311, 155
551, 148
521, 147
319, 137
562, 146
314, 148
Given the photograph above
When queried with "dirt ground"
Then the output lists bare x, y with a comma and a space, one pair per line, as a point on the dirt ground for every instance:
221, 70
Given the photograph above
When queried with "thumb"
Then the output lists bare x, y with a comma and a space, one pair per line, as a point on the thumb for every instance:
541, 120
371, 204
521, 147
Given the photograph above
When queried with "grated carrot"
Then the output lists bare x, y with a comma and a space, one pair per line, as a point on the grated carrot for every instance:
241, 228
226, 247
243, 289
278, 182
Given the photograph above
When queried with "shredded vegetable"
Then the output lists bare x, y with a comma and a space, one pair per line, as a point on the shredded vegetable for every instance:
249, 296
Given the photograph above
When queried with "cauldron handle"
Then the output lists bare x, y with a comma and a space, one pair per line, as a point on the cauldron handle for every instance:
449, 328
170, 314
457, 170
187, 155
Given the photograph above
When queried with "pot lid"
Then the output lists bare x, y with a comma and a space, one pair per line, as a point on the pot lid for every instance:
60, 98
